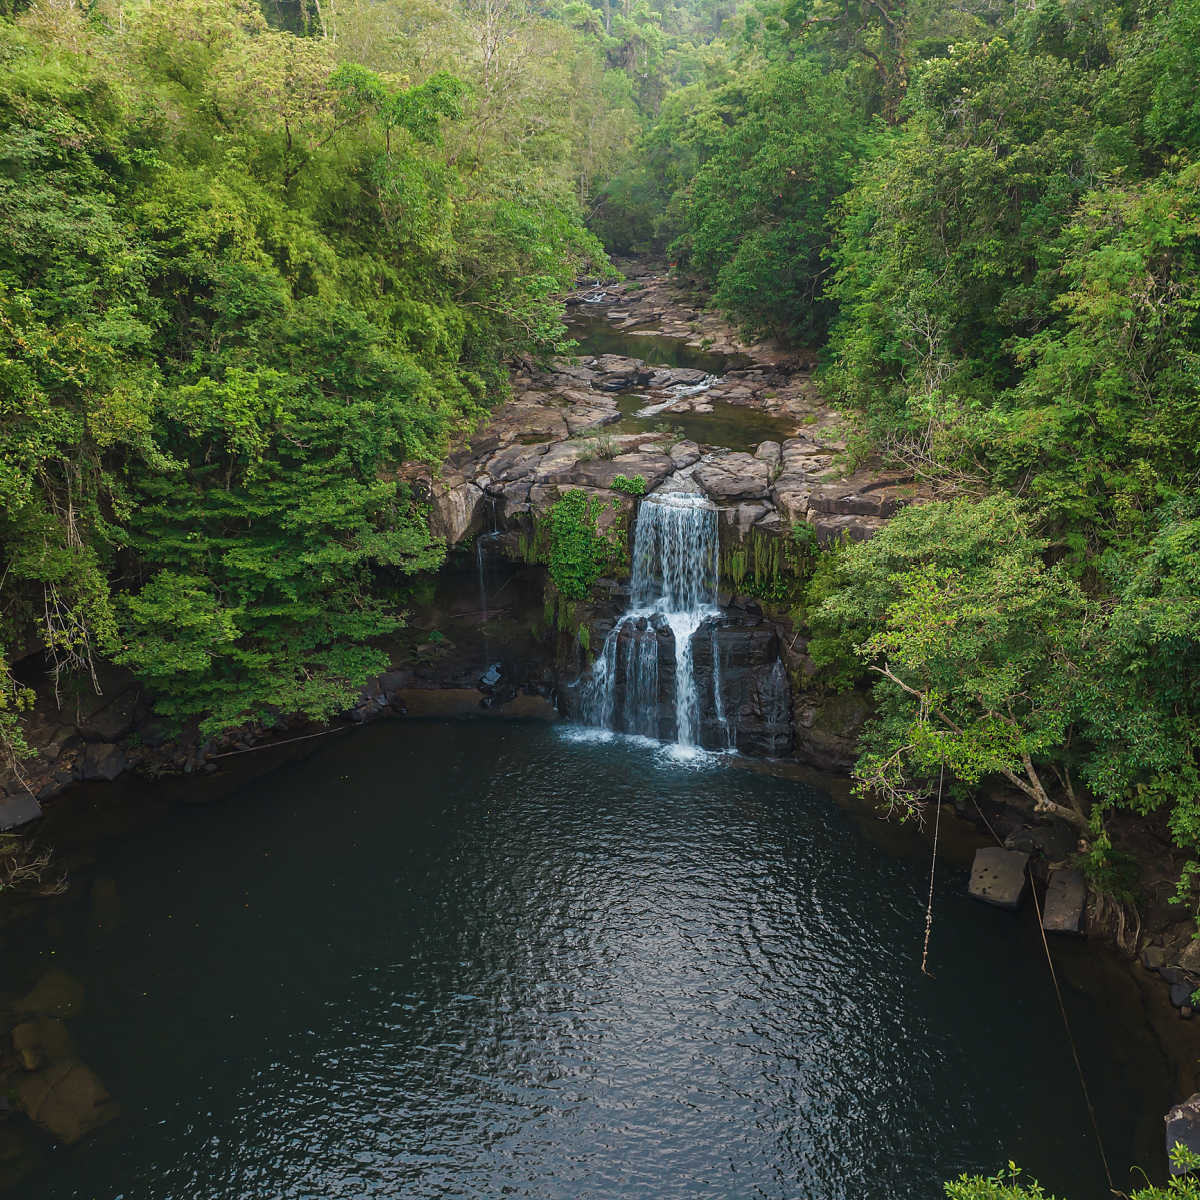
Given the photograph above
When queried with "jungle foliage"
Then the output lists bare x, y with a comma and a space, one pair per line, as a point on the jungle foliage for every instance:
988, 221
247, 267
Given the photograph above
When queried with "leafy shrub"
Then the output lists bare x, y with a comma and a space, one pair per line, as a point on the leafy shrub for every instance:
579, 552
631, 486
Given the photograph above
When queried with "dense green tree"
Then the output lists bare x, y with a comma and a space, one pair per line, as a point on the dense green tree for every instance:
242, 278
775, 153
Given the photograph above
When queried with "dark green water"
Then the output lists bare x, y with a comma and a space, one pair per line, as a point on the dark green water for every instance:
733, 426
596, 335
473, 959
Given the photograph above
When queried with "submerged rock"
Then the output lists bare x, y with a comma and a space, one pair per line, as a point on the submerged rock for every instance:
41, 1041
67, 1099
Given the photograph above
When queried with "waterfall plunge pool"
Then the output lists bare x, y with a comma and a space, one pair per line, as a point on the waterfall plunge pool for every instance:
481, 959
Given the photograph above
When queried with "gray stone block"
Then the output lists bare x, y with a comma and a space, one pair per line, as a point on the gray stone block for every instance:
998, 876
1066, 898
18, 810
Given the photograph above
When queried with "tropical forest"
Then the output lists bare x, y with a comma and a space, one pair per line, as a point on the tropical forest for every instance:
599, 599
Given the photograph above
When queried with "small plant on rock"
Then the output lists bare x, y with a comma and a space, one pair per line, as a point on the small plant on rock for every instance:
631, 486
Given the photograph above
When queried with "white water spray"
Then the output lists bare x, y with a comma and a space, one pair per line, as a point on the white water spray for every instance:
674, 589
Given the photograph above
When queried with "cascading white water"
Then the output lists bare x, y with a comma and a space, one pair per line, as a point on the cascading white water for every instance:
679, 391
674, 588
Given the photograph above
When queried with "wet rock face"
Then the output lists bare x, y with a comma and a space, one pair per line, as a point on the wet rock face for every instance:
739, 653
1183, 1126
742, 652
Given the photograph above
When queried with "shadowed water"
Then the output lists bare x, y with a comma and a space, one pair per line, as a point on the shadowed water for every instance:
466, 959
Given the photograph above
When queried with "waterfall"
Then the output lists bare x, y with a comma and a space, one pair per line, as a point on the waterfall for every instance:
674, 588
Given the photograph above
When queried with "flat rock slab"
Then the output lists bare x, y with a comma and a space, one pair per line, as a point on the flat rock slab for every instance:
734, 477
18, 810
1183, 1126
998, 876
1066, 897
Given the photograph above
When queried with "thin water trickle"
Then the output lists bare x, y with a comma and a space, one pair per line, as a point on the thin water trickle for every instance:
718, 694
481, 566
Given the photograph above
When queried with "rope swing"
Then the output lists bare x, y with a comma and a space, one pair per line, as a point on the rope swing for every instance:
937, 823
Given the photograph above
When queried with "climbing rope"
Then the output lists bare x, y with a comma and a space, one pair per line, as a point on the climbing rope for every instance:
1062, 1008
1087, 1096
937, 823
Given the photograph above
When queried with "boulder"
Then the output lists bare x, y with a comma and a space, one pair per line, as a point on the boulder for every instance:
530, 423
67, 1099
665, 377
772, 454
1066, 898
832, 529
454, 511
998, 876
685, 454
582, 417
616, 373
862, 495
18, 810
1181, 992
1183, 1127
102, 760
1154, 957
515, 462
42, 1040
736, 476
600, 472
1189, 957
790, 495
741, 518
558, 464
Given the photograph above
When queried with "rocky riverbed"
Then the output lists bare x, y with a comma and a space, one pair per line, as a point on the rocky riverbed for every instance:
740, 422
585, 421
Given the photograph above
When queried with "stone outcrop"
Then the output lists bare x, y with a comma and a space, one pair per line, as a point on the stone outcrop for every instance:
732, 477
998, 876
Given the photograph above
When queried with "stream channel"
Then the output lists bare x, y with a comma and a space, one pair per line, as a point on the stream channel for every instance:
486, 958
